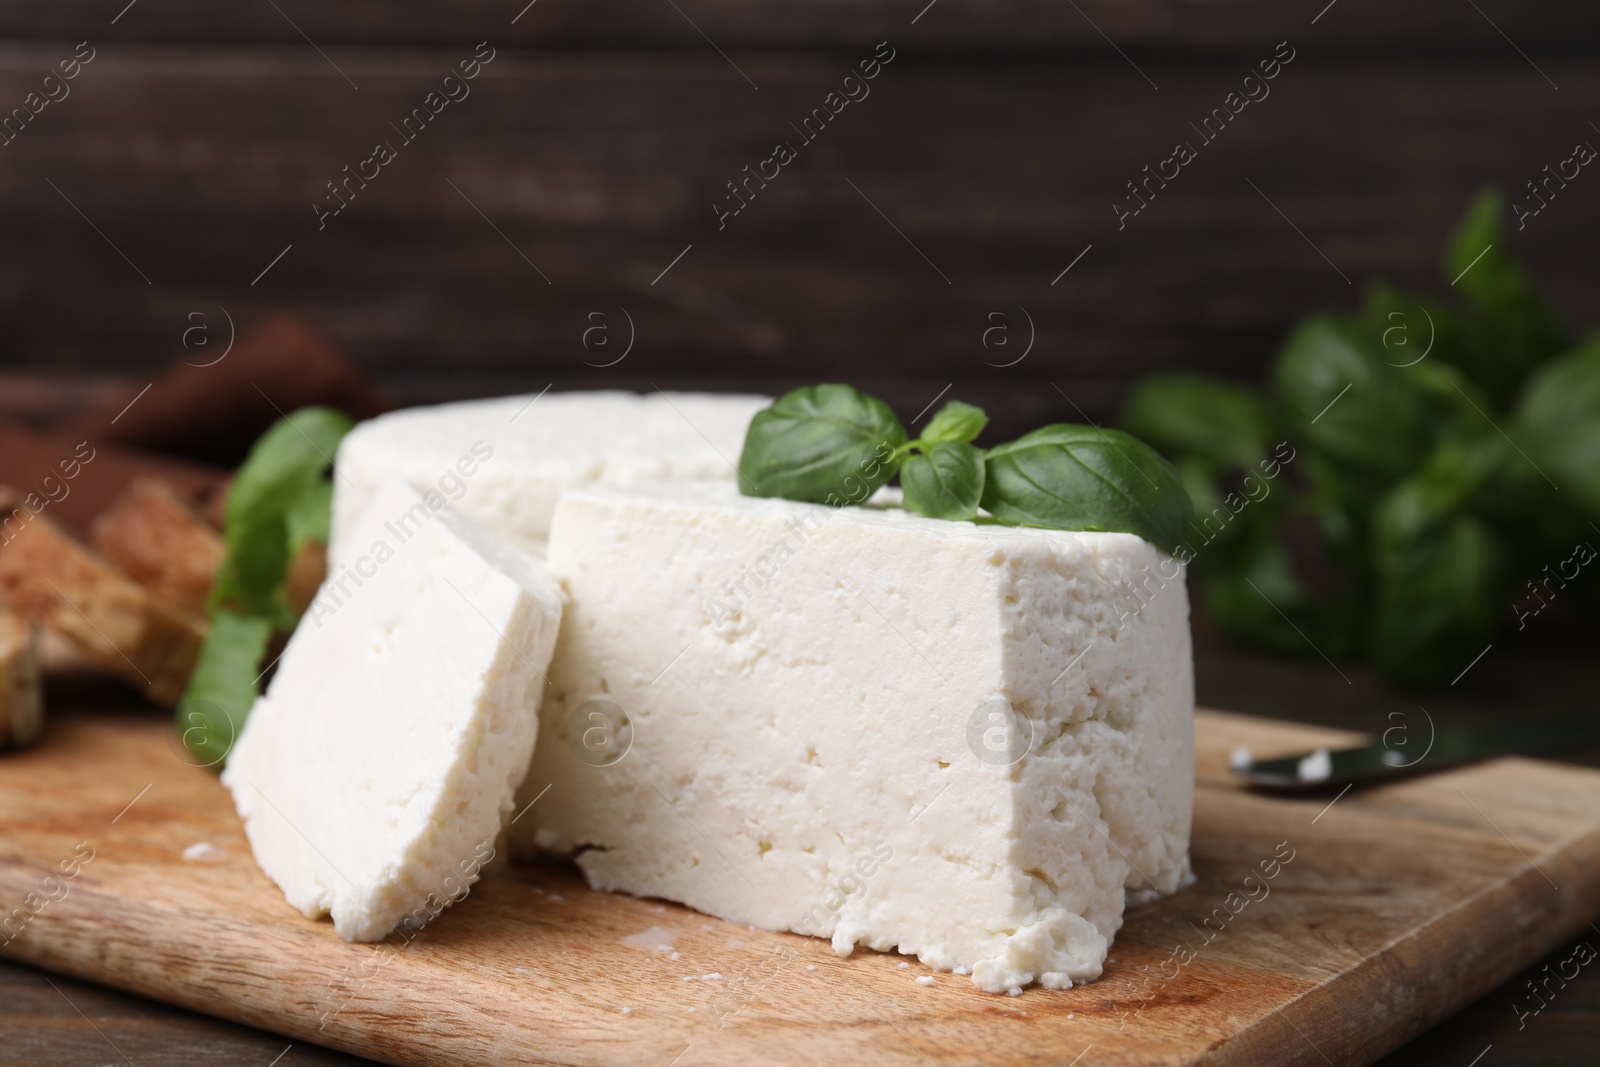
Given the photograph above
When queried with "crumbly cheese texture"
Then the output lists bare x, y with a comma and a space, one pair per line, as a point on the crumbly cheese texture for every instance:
374, 773
505, 461
821, 704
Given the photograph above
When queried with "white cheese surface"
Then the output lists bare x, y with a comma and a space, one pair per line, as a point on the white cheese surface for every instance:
504, 461
817, 704
373, 774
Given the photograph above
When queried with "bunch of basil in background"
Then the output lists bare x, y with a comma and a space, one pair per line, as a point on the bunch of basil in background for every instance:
280, 501
1430, 442
833, 444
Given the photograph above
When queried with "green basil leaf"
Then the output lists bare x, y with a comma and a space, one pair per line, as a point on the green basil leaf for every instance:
954, 422
253, 571
1246, 587
1337, 392
222, 688
1515, 329
1200, 479
946, 482
279, 500
1406, 325
1409, 331
310, 517
1439, 570
1440, 591
1069, 477
826, 444
274, 500
1340, 502
1185, 413
1558, 420
1455, 474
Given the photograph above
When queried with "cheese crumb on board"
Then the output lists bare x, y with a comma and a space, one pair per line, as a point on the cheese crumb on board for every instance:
1317, 767
505, 460
969, 743
374, 773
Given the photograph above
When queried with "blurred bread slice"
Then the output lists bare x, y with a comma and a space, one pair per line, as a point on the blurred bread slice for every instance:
158, 539
74, 478
212, 407
53, 580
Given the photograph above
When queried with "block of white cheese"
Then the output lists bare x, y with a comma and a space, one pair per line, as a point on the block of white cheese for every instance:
374, 772
505, 461
968, 742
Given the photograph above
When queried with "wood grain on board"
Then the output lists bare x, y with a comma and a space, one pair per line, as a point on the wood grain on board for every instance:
1399, 905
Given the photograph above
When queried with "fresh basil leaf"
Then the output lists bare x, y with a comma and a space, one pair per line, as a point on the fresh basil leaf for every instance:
1418, 504
1407, 330
1439, 569
1340, 501
1447, 485
1407, 326
1188, 414
222, 688
1068, 477
826, 444
1439, 593
279, 501
294, 452
310, 517
1201, 480
1558, 418
954, 422
1337, 394
946, 482
1515, 329
280, 478
1246, 590
254, 568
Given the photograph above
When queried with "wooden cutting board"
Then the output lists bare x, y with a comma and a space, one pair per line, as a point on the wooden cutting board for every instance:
1396, 906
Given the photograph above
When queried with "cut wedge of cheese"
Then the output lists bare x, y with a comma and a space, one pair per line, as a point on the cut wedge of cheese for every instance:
374, 773
504, 461
968, 742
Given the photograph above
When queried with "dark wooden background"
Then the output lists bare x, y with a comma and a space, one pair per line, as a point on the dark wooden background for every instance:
193, 146
201, 134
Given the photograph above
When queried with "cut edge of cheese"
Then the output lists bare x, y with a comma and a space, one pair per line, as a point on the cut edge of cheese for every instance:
375, 773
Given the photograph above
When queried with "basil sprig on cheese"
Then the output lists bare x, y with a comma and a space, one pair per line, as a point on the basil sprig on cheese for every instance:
279, 501
833, 444
824, 444
1085, 478
943, 477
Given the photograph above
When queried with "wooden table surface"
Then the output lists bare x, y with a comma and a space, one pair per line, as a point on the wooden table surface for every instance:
593, 148
49, 1021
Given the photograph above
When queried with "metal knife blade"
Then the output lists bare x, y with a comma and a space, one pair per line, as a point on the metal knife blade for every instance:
1573, 731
